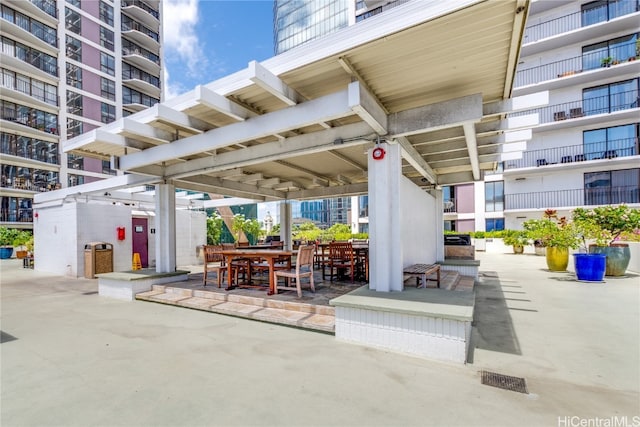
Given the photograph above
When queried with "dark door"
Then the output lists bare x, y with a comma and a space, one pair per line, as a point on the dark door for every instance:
140, 240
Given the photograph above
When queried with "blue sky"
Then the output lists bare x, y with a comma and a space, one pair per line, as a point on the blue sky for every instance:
208, 39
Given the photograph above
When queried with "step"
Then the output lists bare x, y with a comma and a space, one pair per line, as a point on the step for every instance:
301, 315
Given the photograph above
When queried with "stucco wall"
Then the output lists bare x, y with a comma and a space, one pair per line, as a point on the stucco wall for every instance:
61, 233
418, 225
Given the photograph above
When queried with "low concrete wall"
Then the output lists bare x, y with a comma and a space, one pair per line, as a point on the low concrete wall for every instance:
429, 323
497, 246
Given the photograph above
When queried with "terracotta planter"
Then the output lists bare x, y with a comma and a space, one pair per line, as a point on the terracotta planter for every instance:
557, 258
618, 256
21, 254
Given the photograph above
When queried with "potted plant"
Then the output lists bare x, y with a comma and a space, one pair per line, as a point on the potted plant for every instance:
7, 237
557, 235
518, 239
589, 267
479, 240
606, 62
605, 224
20, 243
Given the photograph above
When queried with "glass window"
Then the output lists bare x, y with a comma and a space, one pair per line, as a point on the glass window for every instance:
74, 128
610, 52
76, 3
106, 13
74, 49
74, 103
612, 97
106, 38
72, 21
494, 196
494, 224
74, 76
108, 113
607, 187
108, 89
107, 64
611, 142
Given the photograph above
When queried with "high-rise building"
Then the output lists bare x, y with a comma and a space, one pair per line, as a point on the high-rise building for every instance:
584, 152
297, 22
69, 67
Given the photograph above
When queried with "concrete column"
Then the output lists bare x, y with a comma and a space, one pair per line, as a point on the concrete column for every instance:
355, 214
439, 223
285, 224
165, 228
385, 218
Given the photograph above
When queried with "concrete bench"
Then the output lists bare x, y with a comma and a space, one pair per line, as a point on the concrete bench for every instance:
421, 271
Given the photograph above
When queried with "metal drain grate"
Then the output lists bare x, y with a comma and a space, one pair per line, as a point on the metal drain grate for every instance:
504, 381
90, 293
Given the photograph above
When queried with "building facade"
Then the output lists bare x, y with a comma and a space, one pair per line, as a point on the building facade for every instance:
69, 67
584, 152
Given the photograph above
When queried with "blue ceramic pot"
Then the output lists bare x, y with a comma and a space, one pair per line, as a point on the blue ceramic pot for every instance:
590, 267
5, 253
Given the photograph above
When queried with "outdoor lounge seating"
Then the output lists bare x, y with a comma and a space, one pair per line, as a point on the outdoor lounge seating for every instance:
304, 268
421, 271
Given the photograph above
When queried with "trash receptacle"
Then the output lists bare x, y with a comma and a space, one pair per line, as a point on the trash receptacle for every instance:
98, 258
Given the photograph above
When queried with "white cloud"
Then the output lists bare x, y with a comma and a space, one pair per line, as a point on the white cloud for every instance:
181, 43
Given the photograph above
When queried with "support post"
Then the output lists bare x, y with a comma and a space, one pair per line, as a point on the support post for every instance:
165, 228
285, 224
385, 249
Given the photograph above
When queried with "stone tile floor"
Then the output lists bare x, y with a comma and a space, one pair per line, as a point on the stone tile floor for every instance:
312, 311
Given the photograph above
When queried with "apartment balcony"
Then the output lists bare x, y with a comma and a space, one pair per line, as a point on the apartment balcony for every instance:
142, 81
562, 199
141, 35
33, 153
581, 69
142, 58
22, 31
142, 12
24, 215
620, 151
27, 93
43, 10
587, 111
578, 26
32, 61
23, 125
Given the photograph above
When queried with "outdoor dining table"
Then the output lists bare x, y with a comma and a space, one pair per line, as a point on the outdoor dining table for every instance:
268, 254
361, 255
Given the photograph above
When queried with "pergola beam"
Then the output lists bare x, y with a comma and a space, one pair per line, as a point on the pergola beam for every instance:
219, 103
272, 84
325, 108
414, 158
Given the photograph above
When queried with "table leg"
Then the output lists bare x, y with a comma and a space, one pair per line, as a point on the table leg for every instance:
229, 270
272, 285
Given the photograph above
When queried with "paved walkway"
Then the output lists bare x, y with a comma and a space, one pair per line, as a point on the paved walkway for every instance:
72, 358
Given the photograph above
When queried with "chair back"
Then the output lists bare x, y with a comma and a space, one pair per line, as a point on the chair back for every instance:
212, 253
340, 250
228, 246
305, 256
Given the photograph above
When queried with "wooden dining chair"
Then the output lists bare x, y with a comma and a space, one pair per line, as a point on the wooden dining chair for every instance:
214, 261
304, 268
340, 258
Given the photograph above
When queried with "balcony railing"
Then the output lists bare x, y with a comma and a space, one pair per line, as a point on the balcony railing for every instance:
40, 184
129, 73
38, 29
130, 48
32, 87
576, 153
576, 20
570, 66
29, 148
47, 6
586, 107
130, 24
449, 205
143, 6
40, 60
570, 198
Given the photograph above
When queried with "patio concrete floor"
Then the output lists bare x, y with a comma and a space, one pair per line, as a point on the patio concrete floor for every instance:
70, 357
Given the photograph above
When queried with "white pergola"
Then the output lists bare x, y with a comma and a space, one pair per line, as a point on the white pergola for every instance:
429, 81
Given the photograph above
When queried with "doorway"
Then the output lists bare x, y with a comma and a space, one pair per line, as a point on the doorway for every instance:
141, 239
